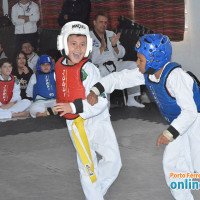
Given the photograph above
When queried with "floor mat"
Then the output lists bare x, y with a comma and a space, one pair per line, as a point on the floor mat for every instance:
29, 125
13, 127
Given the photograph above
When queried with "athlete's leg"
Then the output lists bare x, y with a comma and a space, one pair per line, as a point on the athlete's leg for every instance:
194, 140
20, 106
86, 159
176, 159
5, 114
38, 108
106, 146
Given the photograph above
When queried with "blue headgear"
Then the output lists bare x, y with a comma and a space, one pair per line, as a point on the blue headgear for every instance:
157, 50
44, 59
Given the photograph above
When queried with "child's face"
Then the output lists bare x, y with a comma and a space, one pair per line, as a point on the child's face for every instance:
77, 47
6, 69
27, 48
45, 67
21, 60
141, 62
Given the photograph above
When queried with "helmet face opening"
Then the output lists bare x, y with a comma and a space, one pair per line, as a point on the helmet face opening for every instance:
157, 50
44, 59
73, 28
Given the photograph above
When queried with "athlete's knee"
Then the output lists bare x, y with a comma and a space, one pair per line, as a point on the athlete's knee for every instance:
26, 102
116, 162
34, 109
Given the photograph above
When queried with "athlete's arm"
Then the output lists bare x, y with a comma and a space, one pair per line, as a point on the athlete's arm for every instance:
116, 80
16, 92
82, 107
180, 86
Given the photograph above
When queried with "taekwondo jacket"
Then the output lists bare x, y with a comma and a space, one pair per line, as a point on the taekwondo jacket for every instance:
109, 53
179, 84
31, 10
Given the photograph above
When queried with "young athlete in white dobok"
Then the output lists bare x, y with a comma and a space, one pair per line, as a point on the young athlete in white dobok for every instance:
42, 88
89, 126
11, 104
177, 96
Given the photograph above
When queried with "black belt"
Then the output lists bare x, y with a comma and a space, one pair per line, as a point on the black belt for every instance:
110, 63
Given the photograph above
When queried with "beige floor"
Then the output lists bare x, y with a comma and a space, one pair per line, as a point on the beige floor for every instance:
42, 165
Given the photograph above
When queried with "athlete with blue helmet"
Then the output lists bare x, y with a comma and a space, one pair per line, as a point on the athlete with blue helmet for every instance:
44, 59
42, 88
177, 96
157, 50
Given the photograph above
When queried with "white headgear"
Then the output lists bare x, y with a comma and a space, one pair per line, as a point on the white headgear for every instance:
74, 27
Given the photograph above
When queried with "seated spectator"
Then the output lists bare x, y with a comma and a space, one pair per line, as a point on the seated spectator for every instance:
42, 88
23, 73
2, 53
106, 53
32, 57
75, 10
11, 104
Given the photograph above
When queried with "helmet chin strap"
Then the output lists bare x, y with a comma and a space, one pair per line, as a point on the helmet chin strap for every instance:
150, 71
65, 56
63, 53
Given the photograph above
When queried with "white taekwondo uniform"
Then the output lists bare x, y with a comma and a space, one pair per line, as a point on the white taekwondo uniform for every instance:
109, 54
20, 106
182, 154
101, 138
40, 104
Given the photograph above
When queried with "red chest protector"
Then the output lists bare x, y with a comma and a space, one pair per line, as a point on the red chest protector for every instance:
6, 90
69, 86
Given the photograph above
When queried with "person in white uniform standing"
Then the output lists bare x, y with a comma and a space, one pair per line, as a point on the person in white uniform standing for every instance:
107, 52
25, 15
11, 104
89, 126
177, 96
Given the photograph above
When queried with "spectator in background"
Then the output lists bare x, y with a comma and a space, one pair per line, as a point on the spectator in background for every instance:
75, 10
106, 53
32, 57
25, 15
2, 53
23, 73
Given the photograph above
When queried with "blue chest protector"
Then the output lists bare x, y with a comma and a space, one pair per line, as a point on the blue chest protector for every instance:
166, 103
45, 86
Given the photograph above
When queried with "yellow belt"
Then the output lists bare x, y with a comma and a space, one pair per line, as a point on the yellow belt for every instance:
83, 148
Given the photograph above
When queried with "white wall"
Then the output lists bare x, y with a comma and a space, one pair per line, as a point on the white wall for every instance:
187, 52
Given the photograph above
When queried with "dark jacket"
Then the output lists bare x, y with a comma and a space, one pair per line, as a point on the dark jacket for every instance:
76, 10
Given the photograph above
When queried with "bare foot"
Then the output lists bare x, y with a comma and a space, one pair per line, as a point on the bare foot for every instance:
38, 114
20, 114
